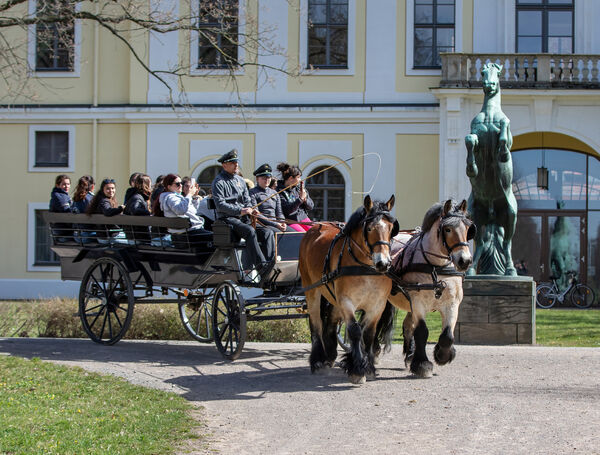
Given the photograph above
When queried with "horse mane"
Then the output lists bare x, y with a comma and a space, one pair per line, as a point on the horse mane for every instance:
379, 210
435, 212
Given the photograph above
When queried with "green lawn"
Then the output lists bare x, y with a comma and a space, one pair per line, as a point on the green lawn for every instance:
53, 409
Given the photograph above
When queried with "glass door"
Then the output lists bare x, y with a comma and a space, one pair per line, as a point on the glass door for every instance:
551, 243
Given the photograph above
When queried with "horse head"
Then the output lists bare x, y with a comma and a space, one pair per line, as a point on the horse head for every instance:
378, 226
490, 78
453, 230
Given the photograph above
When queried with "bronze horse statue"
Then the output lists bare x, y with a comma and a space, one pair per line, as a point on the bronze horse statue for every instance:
492, 204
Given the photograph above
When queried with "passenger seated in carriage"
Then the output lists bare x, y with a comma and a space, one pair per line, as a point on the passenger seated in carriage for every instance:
82, 197
234, 206
138, 205
60, 202
172, 204
268, 201
295, 200
105, 203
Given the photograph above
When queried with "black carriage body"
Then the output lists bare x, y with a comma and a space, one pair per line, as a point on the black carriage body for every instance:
164, 263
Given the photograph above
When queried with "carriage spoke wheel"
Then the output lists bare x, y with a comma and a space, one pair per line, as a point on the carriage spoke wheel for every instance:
196, 315
106, 301
229, 320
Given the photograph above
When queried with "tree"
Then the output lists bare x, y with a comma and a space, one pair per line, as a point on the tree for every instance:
214, 26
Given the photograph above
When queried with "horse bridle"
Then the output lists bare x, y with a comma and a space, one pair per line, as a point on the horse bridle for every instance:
470, 234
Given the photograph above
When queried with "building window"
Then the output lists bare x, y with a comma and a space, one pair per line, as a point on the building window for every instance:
545, 26
328, 33
434, 31
43, 255
51, 149
206, 177
327, 190
55, 41
218, 34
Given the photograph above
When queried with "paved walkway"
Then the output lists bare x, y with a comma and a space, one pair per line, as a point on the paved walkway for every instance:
490, 400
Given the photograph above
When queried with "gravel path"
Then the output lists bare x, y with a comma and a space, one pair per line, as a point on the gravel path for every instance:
490, 400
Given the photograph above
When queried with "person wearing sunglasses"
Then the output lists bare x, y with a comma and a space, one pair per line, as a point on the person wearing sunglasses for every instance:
172, 204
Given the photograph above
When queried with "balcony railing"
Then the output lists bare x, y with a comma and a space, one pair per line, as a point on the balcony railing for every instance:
540, 71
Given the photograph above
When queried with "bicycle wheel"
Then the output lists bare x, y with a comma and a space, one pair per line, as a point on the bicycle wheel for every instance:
582, 296
545, 296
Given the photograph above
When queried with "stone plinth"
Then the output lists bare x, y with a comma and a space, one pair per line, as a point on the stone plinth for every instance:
497, 310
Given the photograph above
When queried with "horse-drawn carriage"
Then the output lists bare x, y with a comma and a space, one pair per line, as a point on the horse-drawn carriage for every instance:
139, 262
343, 270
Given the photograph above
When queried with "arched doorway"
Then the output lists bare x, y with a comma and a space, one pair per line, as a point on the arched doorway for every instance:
558, 223
327, 190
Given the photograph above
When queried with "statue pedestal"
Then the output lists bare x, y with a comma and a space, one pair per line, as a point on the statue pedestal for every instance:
497, 310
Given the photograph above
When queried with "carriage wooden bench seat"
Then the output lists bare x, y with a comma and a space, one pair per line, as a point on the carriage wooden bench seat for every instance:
124, 260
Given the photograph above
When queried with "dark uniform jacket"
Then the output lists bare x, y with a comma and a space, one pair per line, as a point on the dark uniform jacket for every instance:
291, 204
230, 194
271, 208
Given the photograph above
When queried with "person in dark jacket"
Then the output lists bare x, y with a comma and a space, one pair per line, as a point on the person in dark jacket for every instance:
131, 190
138, 205
105, 203
233, 205
295, 200
267, 201
60, 202
84, 193
138, 201
156, 190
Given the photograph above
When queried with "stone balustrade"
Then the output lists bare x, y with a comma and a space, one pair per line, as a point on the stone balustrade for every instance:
542, 71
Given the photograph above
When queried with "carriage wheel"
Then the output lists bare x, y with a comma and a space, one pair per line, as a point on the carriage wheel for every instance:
229, 320
196, 315
106, 301
582, 296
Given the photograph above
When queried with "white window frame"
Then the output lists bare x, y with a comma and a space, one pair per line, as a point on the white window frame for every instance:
410, 38
71, 153
31, 267
32, 46
303, 57
195, 36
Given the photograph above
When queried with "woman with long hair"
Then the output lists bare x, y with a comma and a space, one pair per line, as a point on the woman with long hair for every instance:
83, 194
105, 203
61, 202
295, 200
138, 204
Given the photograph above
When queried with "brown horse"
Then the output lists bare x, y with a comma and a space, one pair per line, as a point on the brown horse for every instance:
439, 252
344, 272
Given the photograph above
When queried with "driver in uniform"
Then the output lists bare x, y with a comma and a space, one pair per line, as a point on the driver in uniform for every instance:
233, 205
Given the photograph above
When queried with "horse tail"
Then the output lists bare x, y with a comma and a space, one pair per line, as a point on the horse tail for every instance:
384, 333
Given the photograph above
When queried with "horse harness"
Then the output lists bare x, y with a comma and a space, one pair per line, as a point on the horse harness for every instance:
447, 269
362, 269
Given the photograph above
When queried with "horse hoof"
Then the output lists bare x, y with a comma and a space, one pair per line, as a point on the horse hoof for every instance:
443, 356
321, 367
423, 371
356, 379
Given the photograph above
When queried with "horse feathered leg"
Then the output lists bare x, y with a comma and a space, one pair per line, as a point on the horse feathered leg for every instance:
420, 365
444, 351
408, 330
318, 357
355, 363
384, 333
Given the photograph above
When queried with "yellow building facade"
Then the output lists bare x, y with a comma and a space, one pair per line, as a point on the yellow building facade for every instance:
394, 121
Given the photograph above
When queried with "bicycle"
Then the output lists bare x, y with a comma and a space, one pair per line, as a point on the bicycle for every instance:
547, 294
